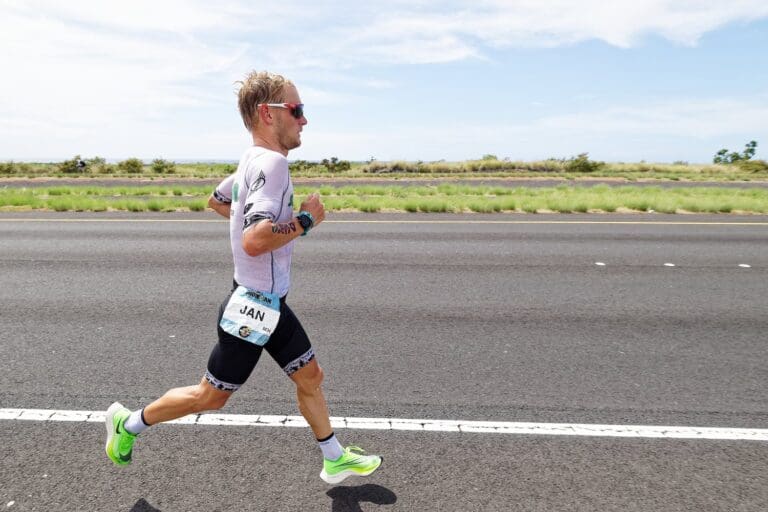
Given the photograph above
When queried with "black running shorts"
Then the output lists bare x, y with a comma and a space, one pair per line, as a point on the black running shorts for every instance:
232, 360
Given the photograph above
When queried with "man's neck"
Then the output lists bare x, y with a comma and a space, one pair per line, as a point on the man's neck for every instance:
263, 142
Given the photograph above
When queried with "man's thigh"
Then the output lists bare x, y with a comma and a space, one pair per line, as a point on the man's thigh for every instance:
289, 346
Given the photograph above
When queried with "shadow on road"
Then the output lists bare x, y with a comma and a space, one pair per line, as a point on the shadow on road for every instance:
143, 506
345, 499
348, 499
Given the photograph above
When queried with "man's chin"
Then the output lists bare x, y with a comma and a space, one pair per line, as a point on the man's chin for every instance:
291, 144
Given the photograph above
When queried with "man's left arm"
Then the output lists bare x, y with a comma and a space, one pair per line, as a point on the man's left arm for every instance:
221, 199
264, 235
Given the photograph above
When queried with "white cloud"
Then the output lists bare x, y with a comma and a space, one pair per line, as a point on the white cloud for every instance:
433, 32
621, 23
663, 131
695, 119
83, 71
72, 73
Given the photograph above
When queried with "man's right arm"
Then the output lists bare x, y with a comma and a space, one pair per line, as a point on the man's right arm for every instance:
222, 209
221, 199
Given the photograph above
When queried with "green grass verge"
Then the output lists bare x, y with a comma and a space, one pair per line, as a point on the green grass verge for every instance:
443, 198
552, 168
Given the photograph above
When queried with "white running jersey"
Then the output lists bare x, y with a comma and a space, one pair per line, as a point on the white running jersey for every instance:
260, 189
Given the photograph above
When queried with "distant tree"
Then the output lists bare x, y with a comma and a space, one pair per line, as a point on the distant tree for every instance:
725, 157
749, 150
490, 157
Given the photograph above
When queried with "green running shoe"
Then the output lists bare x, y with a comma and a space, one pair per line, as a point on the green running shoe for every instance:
352, 462
119, 441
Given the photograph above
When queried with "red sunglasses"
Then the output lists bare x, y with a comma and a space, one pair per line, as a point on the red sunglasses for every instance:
296, 109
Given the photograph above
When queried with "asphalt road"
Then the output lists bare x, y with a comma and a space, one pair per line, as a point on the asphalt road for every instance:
438, 320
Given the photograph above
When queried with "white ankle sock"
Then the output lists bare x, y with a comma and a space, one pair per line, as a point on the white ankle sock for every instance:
135, 423
331, 447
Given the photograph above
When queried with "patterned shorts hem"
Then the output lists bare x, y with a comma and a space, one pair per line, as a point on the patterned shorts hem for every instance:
300, 362
220, 384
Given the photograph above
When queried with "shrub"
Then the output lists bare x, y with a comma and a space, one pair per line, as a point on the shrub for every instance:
73, 166
131, 166
154, 205
486, 165
198, 205
98, 165
582, 163
22, 168
548, 165
303, 165
753, 165
161, 166
336, 165
7, 168
375, 167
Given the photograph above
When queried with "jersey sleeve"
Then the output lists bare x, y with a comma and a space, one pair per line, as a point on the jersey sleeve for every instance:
223, 192
266, 183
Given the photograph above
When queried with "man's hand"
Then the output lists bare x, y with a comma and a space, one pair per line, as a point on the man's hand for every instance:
315, 208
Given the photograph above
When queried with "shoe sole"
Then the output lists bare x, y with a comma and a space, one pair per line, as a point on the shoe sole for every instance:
343, 475
110, 424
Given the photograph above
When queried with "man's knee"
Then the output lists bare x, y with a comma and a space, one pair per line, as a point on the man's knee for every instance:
209, 398
309, 378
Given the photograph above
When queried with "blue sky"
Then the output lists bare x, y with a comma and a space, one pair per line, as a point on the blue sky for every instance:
653, 80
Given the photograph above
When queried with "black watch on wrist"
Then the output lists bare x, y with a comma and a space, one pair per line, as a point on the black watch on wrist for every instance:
306, 221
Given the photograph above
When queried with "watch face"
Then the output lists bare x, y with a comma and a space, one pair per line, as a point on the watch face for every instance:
304, 221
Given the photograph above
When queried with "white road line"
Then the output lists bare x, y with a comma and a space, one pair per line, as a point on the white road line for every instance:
424, 425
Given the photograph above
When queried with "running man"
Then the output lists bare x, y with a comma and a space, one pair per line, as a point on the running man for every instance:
258, 200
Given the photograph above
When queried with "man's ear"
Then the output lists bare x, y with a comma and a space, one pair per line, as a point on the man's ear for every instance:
264, 115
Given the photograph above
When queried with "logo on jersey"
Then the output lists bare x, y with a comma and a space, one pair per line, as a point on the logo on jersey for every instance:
235, 192
260, 181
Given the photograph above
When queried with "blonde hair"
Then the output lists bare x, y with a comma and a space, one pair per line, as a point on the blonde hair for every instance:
259, 87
